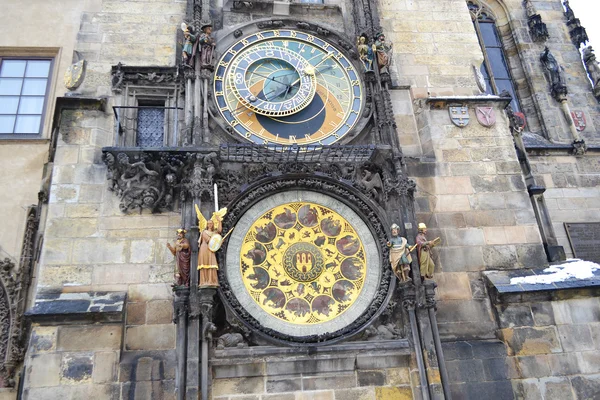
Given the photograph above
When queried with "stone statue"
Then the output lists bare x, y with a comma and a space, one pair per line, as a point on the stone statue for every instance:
400, 258
188, 45
231, 340
592, 68
205, 45
182, 253
424, 247
554, 73
365, 53
568, 11
208, 243
383, 50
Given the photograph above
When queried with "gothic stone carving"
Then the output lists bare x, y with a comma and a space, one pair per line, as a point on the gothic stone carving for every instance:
537, 28
576, 31
555, 75
593, 70
144, 76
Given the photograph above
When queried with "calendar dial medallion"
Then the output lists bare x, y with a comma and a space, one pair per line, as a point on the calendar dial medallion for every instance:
286, 87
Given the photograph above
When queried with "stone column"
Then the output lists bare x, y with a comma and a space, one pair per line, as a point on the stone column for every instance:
180, 314
206, 299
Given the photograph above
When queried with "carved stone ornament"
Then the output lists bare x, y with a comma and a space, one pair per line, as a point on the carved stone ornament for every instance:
486, 116
576, 31
479, 78
144, 76
579, 147
459, 115
593, 70
74, 75
579, 120
537, 28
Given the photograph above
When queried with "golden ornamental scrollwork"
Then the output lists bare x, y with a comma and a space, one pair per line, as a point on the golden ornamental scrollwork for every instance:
303, 263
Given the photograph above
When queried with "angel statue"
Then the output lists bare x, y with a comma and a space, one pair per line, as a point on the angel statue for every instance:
209, 242
188, 45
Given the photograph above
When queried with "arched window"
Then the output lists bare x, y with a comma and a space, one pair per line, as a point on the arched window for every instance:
495, 66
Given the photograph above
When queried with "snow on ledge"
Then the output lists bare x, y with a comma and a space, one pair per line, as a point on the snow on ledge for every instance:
572, 269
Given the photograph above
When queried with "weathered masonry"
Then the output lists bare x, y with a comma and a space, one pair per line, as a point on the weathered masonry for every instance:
294, 200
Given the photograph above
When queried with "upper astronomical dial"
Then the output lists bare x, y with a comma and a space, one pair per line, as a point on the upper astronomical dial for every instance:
287, 87
272, 81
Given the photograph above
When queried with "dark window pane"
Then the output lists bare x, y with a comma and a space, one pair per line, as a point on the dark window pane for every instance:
504, 84
12, 68
490, 37
488, 87
34, 87
498, 64
7, 122
37, 69
150, 129
8, 104
28, 124
31, 105
10, 86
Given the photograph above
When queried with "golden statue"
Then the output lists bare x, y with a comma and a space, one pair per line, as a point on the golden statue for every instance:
209, 242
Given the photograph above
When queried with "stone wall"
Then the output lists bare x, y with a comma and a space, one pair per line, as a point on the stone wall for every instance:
554, 348
572, 190
337, 372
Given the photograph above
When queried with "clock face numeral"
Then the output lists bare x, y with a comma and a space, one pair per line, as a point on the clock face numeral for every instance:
287, 87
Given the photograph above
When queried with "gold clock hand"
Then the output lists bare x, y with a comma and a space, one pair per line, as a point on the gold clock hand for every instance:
312, 69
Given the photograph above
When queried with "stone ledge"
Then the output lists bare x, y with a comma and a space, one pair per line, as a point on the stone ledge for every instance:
66, 308
506, 287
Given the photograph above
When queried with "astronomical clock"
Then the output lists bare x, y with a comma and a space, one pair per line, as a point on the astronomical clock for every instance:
287, 87
303, 263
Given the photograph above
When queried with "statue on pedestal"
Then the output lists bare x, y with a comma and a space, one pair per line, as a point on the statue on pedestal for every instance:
188, 44
383, 50
181, 251
400, 257
209, 242
365, 54
424, 247
205, 45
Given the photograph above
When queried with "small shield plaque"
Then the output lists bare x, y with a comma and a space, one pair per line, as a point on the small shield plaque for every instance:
521, 121
486, 116
75, 75
459, 115
579, 120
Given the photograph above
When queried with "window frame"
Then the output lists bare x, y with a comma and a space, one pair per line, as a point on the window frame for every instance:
45, 108
490, 19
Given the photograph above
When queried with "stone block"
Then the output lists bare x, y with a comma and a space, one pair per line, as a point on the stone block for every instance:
90, 337
279, 396
147, 292
142, 251
453, 203
43, 339
485, 349
82, 210
136, 313
450, 220
489, 390
457, 311
120, 274
238, 369
487, 201
278, 384
65, 193
380, 361
76, 368
43, 370
238, 386
585, 311
461, 259
564, 364
394, 392
66, 275
105, 367
589, 362
490, 183
527, 389
529, 341
531, 255
321, 395
465, 370
575, 337
150, 337
586, 387
533, 366
562, 312
464, 237
311, 366
556, 388
495, 369
335, 382
159, 312
495, 235
365, 393
99, 251
57, 251
457, 350
514, 316
500, 256
453, 286
371, 378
